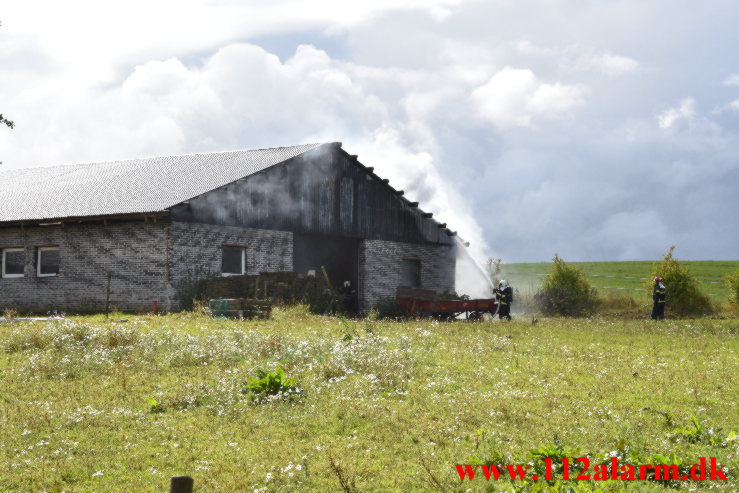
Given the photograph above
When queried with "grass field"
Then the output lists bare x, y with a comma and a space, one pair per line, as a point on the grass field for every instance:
623, 277
93, 405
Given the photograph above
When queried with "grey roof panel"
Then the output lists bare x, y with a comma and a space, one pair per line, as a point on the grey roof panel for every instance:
127, 187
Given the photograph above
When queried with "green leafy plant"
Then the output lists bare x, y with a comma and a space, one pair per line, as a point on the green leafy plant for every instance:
732, 282
557, 452
155, 406
684, 294
272, 385
699, 433
566, 291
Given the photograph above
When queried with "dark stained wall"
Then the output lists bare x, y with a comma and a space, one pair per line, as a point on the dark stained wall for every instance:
324, 191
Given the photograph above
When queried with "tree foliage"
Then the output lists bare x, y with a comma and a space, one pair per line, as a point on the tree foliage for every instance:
7, 122
566, 291
684, 294
732, 282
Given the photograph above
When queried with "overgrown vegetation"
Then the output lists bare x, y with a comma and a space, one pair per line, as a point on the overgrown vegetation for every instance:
732, 282
93, 405
271, 385
566, 291
684, 295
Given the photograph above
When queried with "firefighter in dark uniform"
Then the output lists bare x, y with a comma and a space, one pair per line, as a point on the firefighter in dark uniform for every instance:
658, 295
504, 295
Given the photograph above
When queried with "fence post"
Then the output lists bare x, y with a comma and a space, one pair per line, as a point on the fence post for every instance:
181, 484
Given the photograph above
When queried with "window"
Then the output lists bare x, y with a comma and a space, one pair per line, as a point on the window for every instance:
47, 263
234, 260
410, 273
14, 262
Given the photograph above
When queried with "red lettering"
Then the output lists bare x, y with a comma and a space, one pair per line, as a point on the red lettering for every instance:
627, 472
466, 470
614, 468
601, 472
695, 468
717, 472
548, 464
660, 468
491, 469
517, 471
586, 465
643, 471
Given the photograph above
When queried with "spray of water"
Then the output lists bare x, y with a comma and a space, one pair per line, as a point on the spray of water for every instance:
482, 271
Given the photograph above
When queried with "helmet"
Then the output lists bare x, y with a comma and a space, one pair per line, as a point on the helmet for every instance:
503, 284
657, 279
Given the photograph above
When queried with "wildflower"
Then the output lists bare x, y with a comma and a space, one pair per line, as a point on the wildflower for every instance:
99, 473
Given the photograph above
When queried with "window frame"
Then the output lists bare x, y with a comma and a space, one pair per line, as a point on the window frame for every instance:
2, 271
38, 260
242, 248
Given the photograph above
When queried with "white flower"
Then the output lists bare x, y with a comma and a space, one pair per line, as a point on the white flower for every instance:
99, 473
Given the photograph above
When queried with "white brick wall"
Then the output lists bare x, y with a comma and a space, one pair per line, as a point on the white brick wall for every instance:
379, 268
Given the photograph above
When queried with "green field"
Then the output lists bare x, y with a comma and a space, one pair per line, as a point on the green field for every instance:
623, 277
89, 405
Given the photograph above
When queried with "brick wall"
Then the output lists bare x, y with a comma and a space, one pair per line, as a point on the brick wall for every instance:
133, 252
143, 268
380, 266
149, 261
195, 251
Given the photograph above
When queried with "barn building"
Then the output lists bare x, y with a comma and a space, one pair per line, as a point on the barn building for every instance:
154, 223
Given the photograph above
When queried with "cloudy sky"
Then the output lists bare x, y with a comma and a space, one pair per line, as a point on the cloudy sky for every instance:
599, 130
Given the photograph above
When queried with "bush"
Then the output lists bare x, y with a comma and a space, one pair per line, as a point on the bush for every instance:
732, 282
389, 308
684, 295
565, 291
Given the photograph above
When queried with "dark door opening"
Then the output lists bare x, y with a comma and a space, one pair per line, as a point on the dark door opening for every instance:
340, 257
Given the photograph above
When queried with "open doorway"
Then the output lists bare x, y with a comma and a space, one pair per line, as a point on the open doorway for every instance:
339, 255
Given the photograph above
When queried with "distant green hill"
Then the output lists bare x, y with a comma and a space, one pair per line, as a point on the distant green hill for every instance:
622, 277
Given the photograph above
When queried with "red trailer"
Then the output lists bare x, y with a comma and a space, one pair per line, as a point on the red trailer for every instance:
421, 302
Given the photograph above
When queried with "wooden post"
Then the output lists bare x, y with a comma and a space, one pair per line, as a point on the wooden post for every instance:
181, 484
107, 294
154, 307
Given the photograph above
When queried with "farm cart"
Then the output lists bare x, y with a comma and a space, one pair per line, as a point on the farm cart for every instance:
421, 302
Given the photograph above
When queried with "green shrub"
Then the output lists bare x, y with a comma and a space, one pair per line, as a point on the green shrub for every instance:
271, 385
732, 282
684, 296
389, 308
565, 291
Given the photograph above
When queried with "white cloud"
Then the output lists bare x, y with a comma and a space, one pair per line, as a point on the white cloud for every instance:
685, 111
608, 64
732, 80
734, 105
516, 97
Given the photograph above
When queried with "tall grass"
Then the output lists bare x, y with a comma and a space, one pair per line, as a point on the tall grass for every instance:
94, 405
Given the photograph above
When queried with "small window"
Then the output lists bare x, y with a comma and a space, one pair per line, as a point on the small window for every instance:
14, 262
410, 273
48, 261
234, 261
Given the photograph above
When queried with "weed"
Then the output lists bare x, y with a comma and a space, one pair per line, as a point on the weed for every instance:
271, 385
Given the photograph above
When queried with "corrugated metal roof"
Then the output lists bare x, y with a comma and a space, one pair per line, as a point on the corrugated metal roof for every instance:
127, 187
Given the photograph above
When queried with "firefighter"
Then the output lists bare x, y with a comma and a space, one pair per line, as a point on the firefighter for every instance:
504, 295
658, 295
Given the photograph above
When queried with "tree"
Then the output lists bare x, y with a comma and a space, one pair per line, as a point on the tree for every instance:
7, 122
732, 282
566, 291
684, 294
